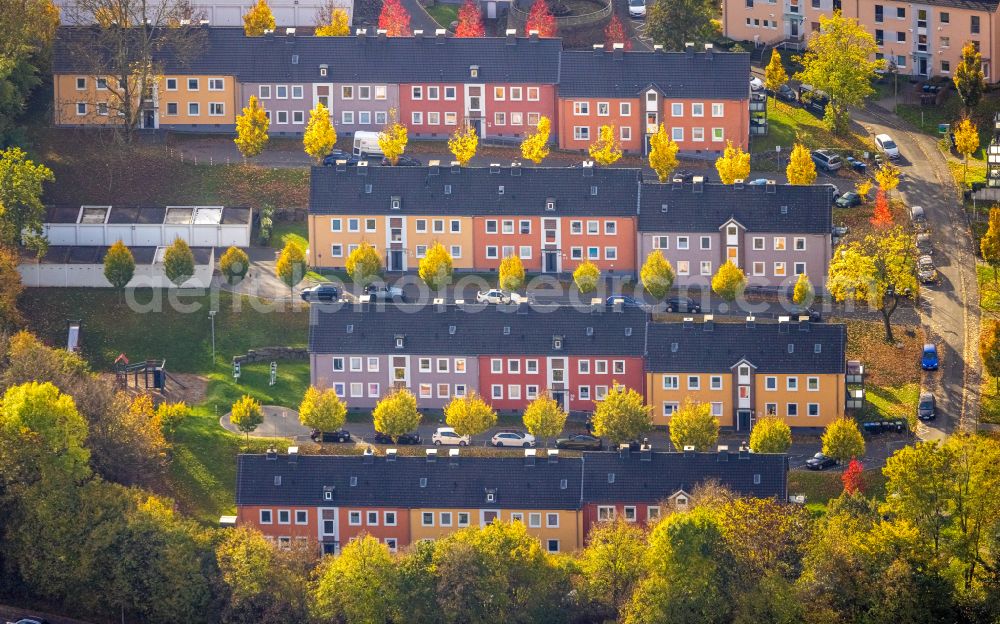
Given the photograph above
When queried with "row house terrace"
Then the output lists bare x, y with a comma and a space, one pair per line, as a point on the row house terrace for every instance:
702, 98
774, 232
553, 218
795, 370
329, 500
919, 39
509, 355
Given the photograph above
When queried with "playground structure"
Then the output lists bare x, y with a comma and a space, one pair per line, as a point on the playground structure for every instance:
153, 374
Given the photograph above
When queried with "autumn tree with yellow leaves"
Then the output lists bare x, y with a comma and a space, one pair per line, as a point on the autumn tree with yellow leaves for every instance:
662, 153
463, 144
320, 135
966, 142
734, 164
337, 25
251, 129
258, 19
801, 169
535, 146
393, 138
606, 150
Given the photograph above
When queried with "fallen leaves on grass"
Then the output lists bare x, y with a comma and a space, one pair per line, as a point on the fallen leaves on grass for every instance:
885, 365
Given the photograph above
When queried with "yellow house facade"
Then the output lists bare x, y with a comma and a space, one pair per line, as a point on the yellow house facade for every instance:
746, 371
558, 530
401, 239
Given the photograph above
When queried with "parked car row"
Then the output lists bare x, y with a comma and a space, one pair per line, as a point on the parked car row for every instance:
447, 436
349, 158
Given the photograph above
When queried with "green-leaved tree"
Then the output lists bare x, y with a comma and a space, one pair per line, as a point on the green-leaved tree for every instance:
622, 416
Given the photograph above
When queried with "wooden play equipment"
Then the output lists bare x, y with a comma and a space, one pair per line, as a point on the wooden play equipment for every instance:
153, 374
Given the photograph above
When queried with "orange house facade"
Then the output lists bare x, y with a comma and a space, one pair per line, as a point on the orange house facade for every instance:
702, 99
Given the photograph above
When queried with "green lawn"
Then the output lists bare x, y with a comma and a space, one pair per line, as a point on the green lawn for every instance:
892, 374
444, 14
821, 487
788, 124
284, 233
203, 470
989, 289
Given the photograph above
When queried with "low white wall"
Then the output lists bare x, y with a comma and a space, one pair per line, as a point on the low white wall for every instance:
88, 234
92, 276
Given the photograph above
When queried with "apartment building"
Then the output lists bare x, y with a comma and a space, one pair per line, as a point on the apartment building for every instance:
791, 369
919, 39
509, 356
702, 98
774, 232
553, 218
328, 500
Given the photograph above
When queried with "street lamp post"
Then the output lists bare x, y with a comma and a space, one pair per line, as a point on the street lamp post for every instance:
211, 316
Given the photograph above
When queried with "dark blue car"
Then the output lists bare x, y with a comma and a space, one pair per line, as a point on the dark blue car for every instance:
623, 300
929, 360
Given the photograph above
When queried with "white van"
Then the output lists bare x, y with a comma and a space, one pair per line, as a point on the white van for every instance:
366, 144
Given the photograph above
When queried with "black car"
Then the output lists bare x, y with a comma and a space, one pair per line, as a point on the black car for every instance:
321, 292
402, 161
787, 94
33, 619
331, 159
819, 461
580, 442
848, 200
926, 407
688, 176
340, 435
796, 311
683, 304
406, 438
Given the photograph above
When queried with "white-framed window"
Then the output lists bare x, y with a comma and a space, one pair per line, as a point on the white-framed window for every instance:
812, 409
593, 253
380, 118
791, 383
372, 518
812, 384
463, 518
576, 253
216, 84
282, 117
364, 118
780, 269
717, 409
450, 93
515, 94
652, 513
517, 516
433, 93
491, 252
81, 84
434, 119
500, 119
499, 94
427, 518
705, 267
301, 516
424, 365
417, 117
265, 516
193, 109
581, 133
531, 367
677, 109
669, 407
600, 392
718, 135
697, 109
618, 367
357, 389
516, 119
770, 383
603, 109
514, 392
426, 390
610, 253
677, 134
456, 251
583, 367
671, 382
583, 392
355, 362
792, 409
552, 545
551, 520
629, 513
581, 108
694, 382
374, 390
445, 518
354, 518
298, 117
535, 520
682, 242
340, 389
264, 92
216, 109
193, 84
533, 118
460, 390
281, 92
605, 513
297, 92
533, 94
697, 134
81, 108
718, 109
625, 109
514, 366
496, 391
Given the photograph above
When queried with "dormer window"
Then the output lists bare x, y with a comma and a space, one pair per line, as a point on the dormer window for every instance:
277, 479
399, 341
323, 70
395, 202
447, 189
590, 331
663, 207
423, 482
628, 331
593, 191
611, 477
354, 482
550, 204
350, 329
327, 493
474, 71
791, 347
451, 330
557, 343
368, 189
500, 190
817, 348
506, 330
491, 496
563, 484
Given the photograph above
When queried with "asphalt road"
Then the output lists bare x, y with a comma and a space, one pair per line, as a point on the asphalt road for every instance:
949, 311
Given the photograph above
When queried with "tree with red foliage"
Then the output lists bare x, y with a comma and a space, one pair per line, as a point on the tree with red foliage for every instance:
540, 18
394, 19
470, 20
882, 218
615, 33
853, 478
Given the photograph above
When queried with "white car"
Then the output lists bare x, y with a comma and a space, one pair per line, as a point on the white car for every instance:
887, 146
497, 296
513, 438
637, 8
756, 84
448, 437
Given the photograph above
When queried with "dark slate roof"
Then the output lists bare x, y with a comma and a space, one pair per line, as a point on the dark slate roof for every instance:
795, 209
971, 5
722, 75
475, 190
227, 51
383, 483
479, 329
765, 345
663, 474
